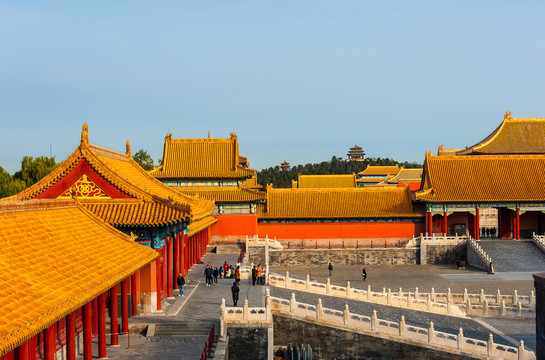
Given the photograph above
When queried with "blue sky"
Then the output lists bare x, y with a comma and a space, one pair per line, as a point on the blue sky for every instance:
296, 80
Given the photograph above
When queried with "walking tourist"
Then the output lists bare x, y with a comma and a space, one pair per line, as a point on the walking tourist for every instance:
237, 274
181, 282
330, 268
364, 274
221, 271
259, 271
225, 266
215, 274
254, 275
234, 291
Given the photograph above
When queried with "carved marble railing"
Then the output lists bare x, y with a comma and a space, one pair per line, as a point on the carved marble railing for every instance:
457, 304
482, 260
539, 240
371, 325
436, 240
256, 241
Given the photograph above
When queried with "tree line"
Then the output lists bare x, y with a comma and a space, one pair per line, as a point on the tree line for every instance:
282, 179
32, 170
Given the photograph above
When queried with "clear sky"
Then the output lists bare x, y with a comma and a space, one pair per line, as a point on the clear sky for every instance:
296, 80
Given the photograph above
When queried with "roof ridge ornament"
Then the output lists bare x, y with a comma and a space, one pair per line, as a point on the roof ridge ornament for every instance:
507, 115
85, 134
168, 137
128, 149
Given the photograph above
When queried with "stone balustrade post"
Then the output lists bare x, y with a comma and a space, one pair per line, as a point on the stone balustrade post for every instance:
402, 326
481, 296
369, 295
490, 345
374, 321
328, 286
449, 294
223, 314
348, 289
460, 340
432, 294
522, 350
346, 315
389, 297
384, 291
268, 309
287, 280
468, 307
409, 301
519, 309
429, 303
400, 294
532, 298
516, 297
307, 283
465, 295
450, 308
502, 310
431, 333
485, 308
245, 311
498, 297
293, 304
416, 295
319, 309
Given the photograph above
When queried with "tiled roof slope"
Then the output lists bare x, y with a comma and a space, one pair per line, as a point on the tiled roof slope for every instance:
202, 158
380, 170
56, 256
124, 173
339, 203
407, 175
513, 136
326, 181
483, 178
222, 194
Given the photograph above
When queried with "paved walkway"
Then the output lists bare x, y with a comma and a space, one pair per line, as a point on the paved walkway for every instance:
200, 304
514, 256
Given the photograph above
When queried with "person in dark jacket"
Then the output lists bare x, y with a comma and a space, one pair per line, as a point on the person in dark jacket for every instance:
364, 274
181, 282
215, 274
330, 268
235, 290
254, 275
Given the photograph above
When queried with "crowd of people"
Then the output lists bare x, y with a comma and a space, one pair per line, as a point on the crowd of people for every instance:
226, 271
488, 232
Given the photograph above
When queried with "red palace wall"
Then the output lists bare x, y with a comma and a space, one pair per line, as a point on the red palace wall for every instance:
370, 230
412, 185
234, 225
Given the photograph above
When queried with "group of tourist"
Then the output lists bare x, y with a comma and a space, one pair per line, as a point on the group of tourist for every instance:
258, 275
225, 271
488, 232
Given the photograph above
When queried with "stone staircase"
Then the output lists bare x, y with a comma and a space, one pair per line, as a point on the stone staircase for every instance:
191, 336
513, 256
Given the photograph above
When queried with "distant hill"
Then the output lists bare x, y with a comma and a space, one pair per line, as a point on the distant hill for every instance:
282, 179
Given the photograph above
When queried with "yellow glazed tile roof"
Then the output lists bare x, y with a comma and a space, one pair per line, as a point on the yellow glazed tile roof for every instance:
202, 158
126, 212
339, 203
202, 224
222, 194
380, 170
513, 136
124, 173
406, 175
56, 256
326, 181
483, 178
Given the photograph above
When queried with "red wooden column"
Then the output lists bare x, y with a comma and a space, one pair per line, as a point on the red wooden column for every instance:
87, 332
429, 227
135, 295
9, 356
71, 336
23, 351
517, 235
170, 269
159, 282
114, 338
95, 317
102, 326
124, 307
444, 224
176, 246
49, 343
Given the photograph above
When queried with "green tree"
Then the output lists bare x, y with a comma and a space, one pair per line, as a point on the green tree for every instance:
34, 169
8, 185
143, 159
